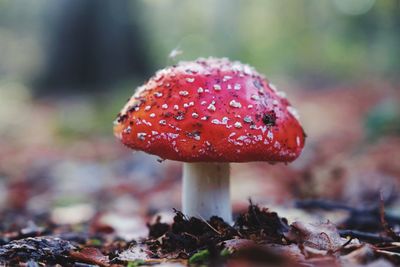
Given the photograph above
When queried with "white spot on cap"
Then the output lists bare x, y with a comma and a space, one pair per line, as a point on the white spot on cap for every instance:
163, 122
226, 78
255, 97
203, 103
215, 121
212, 106
195, 115
147, 108
281, 94
235, 104
236, 66
141, 136
238, 125
247, 69
152, 115
273, 87
127, 130
293, 111
190, 80
247, 119
180, 117
250, 106
298, 141
200, 90
242, 138
217, 87
172, 135
204, 118
186, 105
164, 106
154, 132
158, 94
146, 122
229, 87
174, 146
183, 93
176, 107
277, 145
275, 102
237, 86
270, 135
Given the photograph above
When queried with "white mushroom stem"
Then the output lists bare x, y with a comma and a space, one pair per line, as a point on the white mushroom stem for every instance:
206, 190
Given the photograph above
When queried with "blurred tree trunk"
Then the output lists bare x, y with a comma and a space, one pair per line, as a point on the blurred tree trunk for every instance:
91, 45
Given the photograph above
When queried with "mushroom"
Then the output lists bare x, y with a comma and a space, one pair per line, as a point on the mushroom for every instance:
208, 113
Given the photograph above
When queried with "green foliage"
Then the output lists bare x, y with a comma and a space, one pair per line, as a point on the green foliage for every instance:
225, 252
291, 37
383, 119
95, 242
203, 255
200, 256
136, 263
301, 37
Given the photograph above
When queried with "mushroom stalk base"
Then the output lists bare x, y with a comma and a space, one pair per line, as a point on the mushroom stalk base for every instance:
206, 190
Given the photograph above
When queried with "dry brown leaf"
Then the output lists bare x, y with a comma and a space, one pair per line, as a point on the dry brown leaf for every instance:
319, 236
90, 255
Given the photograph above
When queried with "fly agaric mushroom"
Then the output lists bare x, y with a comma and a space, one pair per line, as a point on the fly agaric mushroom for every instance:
208, 113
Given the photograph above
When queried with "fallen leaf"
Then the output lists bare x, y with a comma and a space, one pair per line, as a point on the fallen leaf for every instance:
90, 255
320, 236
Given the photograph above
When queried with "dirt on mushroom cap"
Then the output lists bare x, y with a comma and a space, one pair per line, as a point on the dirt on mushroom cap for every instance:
211, 110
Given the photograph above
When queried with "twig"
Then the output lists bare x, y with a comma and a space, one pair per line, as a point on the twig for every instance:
349, 239
369, 237
322, 204
178, 212
252, 207
355, 212
209, 225
388, 230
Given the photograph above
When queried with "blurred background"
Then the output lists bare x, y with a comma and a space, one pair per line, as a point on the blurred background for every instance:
67, 67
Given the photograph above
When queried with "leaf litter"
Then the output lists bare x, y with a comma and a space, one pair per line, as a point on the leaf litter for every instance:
259, 237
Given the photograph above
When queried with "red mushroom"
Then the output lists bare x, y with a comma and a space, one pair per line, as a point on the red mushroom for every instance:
208, 113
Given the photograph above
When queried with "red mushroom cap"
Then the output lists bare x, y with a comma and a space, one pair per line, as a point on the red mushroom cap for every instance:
211, 110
